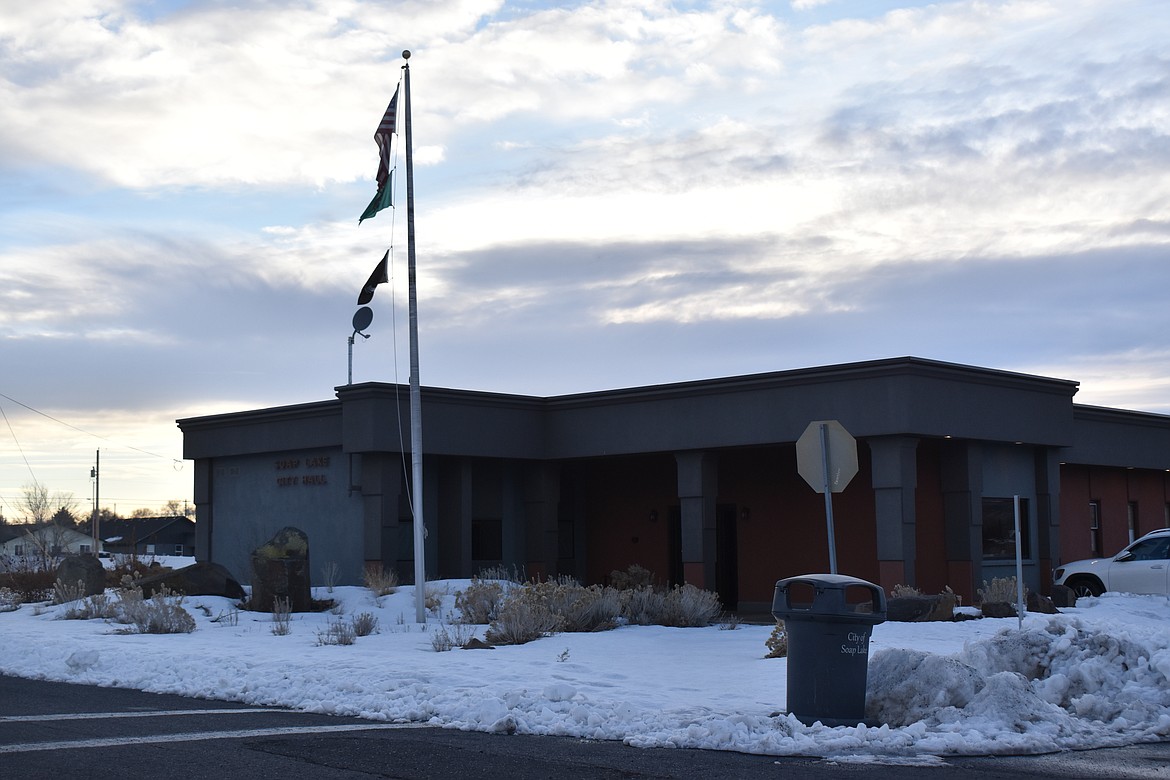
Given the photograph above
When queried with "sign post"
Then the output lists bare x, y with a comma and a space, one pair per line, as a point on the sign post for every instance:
826, 456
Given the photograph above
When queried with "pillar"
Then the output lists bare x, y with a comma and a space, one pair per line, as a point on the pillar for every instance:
895, 478
697, 492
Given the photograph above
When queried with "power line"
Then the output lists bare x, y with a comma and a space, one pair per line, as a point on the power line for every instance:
21, 449
79, 430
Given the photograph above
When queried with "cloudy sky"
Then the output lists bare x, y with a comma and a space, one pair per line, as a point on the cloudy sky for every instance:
608, 194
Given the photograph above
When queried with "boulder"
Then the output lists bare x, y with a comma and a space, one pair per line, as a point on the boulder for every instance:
1034, 602
997, 609
86, 569
917, 609
199, 579
1063, 596
280, 570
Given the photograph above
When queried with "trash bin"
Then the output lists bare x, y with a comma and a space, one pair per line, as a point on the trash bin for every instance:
828, 619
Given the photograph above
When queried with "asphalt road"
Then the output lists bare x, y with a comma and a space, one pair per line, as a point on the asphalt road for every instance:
60, 731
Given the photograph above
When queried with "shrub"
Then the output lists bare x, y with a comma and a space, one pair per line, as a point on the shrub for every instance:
433, 598
329, 573
632, 578
683, 606
155, 615
364, 624
583, 609
904, 591
281, 615
65, 593
642, 605
777, 643
30, 583
381, 581
1001, 589
451, 636
480, 603
337, 633
129, 568
9, 600
523, 618
99, 605
502, 573
686, 606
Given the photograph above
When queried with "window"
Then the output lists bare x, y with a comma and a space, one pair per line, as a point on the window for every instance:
1095, 527
999, 528
84, 549
150, 549
1151, 550
178, 549
18, 549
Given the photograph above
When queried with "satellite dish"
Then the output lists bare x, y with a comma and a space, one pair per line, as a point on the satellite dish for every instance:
362, 318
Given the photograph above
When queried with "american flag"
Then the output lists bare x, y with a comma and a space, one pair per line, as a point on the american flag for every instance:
382, 137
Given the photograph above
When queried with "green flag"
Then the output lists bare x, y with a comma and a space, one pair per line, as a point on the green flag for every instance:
382, 137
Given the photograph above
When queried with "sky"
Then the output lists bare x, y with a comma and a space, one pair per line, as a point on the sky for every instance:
608, 194
1094, 676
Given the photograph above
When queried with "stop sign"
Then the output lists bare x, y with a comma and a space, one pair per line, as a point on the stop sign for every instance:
826, 441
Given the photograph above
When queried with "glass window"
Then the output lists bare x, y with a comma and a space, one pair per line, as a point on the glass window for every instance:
999, 528
1151, 549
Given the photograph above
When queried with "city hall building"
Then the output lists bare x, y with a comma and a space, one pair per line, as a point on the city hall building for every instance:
695, 481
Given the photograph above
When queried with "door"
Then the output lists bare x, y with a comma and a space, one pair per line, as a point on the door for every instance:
727, 555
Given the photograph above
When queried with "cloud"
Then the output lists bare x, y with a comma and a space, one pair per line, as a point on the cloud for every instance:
609, 194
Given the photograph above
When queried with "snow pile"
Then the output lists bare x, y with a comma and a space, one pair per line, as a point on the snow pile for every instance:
1065, 682
1092, 677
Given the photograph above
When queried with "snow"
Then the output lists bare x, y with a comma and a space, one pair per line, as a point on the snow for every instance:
1096, 675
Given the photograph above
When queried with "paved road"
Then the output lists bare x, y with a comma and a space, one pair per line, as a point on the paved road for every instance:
61, 731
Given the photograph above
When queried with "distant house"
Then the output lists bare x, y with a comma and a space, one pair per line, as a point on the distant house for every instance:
43, 541
149, 536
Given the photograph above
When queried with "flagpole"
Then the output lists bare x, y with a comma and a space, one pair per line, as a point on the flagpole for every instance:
416, 459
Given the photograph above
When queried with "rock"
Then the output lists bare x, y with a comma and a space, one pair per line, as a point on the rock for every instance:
997, 609
477, 644
1034, 602
1063, 596
280, 569
918, 609
86, 569
200, 579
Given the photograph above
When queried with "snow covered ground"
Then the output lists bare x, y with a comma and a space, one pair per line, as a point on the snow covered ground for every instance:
1097, 675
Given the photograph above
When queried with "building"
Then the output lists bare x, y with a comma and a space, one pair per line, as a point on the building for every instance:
696, 481
42, 543
146, 536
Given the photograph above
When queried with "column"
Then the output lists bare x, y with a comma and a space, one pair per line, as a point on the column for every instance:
697, 492
895, 479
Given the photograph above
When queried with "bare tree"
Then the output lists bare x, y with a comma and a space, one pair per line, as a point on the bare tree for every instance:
39, 507
35, 503
176, 508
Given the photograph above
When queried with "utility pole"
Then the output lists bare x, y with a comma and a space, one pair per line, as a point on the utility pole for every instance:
95, 473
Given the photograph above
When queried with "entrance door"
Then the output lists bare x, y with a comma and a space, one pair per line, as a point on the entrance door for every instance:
727, 556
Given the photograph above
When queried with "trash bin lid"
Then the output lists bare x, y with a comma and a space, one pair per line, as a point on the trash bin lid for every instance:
828, 602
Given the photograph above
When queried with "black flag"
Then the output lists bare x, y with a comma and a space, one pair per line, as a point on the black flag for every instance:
379, 276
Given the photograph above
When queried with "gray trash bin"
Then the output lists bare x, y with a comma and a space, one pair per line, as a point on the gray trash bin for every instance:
828, 619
